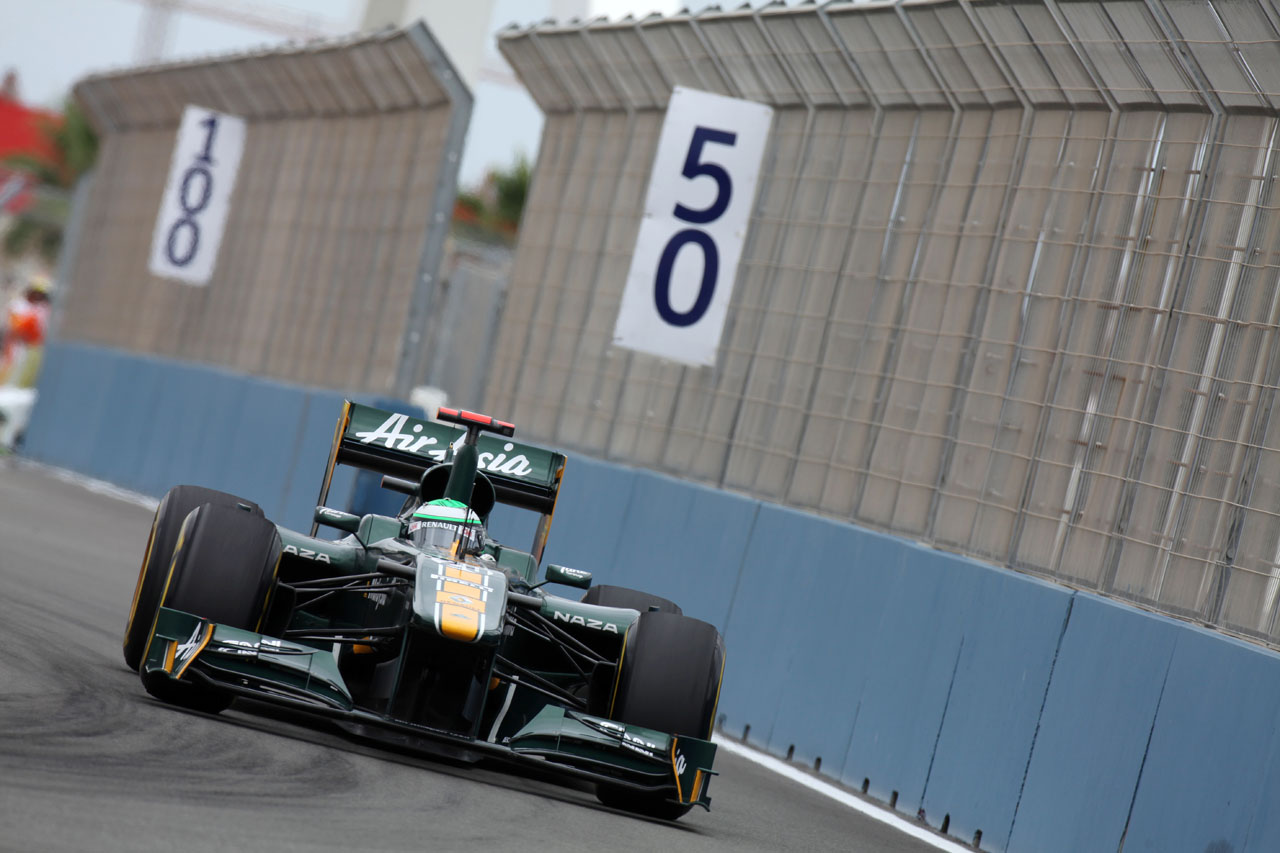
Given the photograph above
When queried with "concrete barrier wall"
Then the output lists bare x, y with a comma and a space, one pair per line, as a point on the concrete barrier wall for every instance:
147, 424
967, 695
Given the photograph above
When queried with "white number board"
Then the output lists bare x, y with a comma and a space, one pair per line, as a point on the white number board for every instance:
197, 196
695, 221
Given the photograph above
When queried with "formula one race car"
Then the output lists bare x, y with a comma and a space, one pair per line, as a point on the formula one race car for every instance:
418, 631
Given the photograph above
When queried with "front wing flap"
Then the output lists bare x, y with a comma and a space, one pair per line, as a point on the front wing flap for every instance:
188, 648
563, 734
185, 646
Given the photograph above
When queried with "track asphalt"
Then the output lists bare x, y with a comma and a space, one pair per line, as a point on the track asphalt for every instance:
88, 761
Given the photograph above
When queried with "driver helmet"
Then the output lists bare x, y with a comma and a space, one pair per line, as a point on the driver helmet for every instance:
441, 523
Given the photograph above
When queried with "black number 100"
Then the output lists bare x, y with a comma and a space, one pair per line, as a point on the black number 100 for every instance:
193, 196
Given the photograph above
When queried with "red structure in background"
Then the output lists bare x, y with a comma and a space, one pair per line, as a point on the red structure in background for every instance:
22, 131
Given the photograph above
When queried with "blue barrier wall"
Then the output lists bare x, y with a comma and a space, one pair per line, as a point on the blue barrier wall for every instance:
1098, 714
147, 424
1010, 639
1220, 698
1043, 718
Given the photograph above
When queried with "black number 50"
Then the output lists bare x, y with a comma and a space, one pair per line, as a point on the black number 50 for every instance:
695, 167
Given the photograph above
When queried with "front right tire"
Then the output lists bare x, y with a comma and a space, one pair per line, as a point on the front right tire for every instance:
669, 681
620, 596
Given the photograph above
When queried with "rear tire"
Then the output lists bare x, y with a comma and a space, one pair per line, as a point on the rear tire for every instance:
158, 557
670, 682
223, 571
620, 596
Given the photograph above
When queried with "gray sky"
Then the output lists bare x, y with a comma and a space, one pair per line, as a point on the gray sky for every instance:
53, 43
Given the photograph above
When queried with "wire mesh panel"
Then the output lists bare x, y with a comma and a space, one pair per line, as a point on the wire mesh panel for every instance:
824, 75
763, 334
621, 53
130, 196
1247, 589
749, 59
541, 226
1170, 544
947, 298
343, 323
1009, 284
776, 399
1140, 326
872, 231
595, 372
1041, 58
335, 225
299, 322
572, 274
96, 215
1089, 386
980, 492
398, 160
279, 231
873, 285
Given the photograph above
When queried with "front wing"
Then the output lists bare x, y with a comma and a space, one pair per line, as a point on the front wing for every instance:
302, 677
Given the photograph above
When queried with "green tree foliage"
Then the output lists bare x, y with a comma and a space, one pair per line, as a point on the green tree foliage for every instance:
493, 211
512, 186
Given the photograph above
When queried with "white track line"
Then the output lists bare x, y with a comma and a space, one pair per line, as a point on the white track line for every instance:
871, 810
99, 487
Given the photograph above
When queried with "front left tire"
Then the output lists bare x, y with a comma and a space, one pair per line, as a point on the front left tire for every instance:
174, 508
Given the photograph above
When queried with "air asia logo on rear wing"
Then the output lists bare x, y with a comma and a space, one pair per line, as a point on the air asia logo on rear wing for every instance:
431, 440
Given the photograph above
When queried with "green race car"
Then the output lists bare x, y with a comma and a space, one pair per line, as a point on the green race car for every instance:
419, 631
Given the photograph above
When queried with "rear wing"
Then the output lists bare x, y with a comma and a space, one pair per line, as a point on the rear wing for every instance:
401, 446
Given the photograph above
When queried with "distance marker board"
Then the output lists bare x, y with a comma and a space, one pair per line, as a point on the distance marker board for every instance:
197, 196
696, 214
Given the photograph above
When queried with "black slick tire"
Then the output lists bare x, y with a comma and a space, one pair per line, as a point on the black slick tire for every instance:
223, 570
156, 560
669, 681
620, 596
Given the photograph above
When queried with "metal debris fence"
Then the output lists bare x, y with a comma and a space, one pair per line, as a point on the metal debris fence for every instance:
329, 262
1010, 285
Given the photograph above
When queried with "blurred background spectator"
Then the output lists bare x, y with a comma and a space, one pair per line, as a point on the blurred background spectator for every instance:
26, 322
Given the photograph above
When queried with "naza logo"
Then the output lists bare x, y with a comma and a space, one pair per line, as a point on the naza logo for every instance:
307, 554
597, 624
